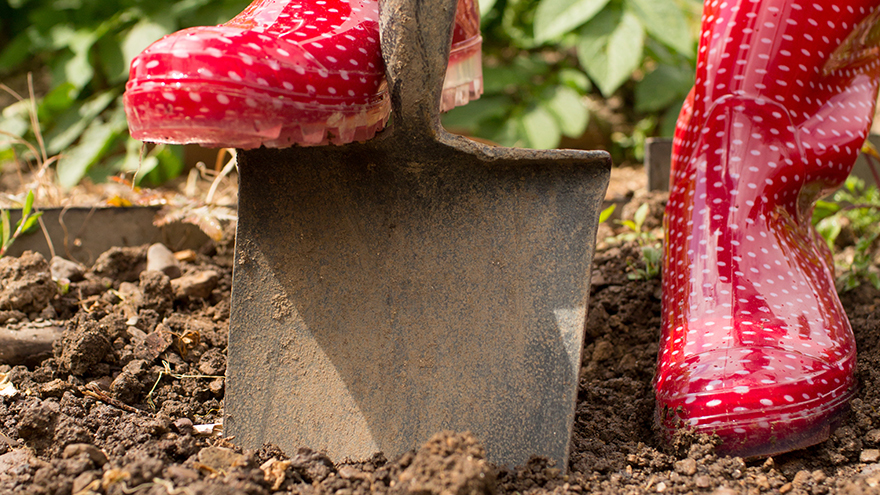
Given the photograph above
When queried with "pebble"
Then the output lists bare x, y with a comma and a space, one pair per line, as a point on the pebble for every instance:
802, 477
63, 269
702, 481
161, 259
873, 436
184, 426
686, 467
195, 286
94, 453
869, 455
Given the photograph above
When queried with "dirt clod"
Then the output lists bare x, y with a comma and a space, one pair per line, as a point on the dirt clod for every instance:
449, 464
26, 283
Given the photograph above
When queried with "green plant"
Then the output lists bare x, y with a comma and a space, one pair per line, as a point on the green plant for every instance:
854, 209
544, 60
80, 52
648, 246
27, 223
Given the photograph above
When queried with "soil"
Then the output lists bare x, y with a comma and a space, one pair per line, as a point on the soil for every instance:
130, 397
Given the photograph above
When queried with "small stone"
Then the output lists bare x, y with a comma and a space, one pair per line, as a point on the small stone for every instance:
54, 388
195, 286
702, 481
186, 255
762, 482
661, 487
686, 467
819, 476
869, 455
184, 426
136, 334
161, 259
724, 491
77, 449
785, 488
155, 344
64, 269
216, 386
801, 478
350, 472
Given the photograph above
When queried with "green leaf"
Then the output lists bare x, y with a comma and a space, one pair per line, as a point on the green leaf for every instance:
58, 100
73, 164
72, 123
669, 119
540, 129
486, 6
168, 166
606, 213
500, 79
575, 80
556, 17
140, 36
15, 120
16, 52
611, 47
4, 223
468, 117
568, 107
665, 21
31, 223
640, 216
28, 204
662, 87
73, 68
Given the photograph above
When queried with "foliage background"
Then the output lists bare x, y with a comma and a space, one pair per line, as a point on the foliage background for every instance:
603, 73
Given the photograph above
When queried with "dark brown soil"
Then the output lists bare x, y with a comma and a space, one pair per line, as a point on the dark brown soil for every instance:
121, 404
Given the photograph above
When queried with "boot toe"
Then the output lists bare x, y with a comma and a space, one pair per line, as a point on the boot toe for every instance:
758, 400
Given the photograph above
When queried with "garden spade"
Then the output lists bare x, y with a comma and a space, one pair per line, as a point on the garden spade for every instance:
418, 282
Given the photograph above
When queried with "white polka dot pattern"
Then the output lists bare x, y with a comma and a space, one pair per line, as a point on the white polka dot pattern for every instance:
282, 72
755, 344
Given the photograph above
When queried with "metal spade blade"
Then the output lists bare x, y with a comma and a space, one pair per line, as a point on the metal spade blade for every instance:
418, 282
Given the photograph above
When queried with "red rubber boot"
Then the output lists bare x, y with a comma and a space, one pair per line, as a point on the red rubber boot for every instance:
755, 345
283, 72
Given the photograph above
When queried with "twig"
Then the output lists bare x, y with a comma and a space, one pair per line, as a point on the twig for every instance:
92, 390
230, 165
35, 122
48, 238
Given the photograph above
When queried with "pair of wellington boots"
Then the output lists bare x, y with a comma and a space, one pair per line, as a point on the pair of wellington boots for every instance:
755, 345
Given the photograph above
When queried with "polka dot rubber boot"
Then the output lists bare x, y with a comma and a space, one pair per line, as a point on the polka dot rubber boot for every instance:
755, 345
281, 73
